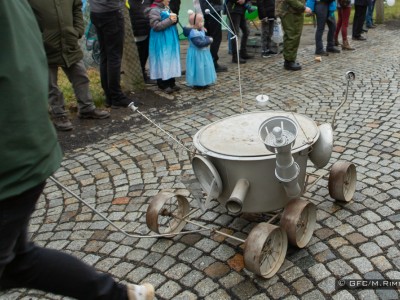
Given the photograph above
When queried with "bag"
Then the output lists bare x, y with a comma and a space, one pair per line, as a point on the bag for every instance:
277, 34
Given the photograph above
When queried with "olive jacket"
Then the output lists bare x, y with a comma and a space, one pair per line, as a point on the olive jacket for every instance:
61, 24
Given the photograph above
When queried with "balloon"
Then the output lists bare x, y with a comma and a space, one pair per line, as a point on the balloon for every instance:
390, 2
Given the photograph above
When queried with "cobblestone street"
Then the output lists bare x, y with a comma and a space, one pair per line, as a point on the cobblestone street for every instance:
354, 240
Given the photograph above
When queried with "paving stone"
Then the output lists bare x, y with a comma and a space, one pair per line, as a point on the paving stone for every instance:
169, 289
231, 280
370, 249
313, 295
370, 230
339, 267
219, 294
328, 285
302, 285
217, 269
292, 274
343, 295
192, 278
319, 272
205, 287
278, 290
362, 264
367, 295
244, 290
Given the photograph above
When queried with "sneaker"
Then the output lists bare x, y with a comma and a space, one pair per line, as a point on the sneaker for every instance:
140, 292
94, 114
62, 123
124, 102
265, 54
322, 53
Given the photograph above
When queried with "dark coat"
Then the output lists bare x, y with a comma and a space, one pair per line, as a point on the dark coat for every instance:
61, 24
235, 8
140, 22
266, 9
175, 6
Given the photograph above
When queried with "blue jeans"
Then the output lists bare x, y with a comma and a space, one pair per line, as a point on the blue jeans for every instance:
370, 12
25, 265
110, 34
322, 13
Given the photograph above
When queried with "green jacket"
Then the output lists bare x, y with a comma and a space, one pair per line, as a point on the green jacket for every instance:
61, 24
283, 7
29, 151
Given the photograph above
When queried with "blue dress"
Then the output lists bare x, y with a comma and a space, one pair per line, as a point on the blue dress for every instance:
164, 52
200, 70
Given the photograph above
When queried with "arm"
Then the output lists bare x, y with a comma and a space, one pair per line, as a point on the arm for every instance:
155, 20
78, 18
297, 5
201, 42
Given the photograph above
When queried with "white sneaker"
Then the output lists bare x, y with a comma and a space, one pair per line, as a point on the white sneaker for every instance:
140, 292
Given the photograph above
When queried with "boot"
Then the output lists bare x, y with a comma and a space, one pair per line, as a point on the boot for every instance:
235, 60
292, 65
346, 46
243, 54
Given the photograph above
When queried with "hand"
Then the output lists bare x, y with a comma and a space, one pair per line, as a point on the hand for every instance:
308, 10
211, 39
241, 1
173, 17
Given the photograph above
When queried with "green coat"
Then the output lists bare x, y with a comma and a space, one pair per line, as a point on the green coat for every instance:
283, 7
61, 24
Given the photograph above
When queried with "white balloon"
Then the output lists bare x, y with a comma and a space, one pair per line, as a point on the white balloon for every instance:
390, 2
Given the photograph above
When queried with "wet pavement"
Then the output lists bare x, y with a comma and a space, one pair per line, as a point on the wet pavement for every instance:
118, 174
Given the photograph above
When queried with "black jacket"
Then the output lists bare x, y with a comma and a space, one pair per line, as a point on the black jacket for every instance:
140, 23
266, 9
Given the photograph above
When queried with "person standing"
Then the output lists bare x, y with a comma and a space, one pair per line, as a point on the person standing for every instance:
35, 154
344, 9
214, 29
108, 19
369, 19
360, 10
199, 64
266, 14
164, 49
291, 13
236, 13
141, 31
61, 23
325, 13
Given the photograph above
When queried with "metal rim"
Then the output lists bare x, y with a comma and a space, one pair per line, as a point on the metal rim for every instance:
167, 213
342, 181
265, 249
298, 220
205, 173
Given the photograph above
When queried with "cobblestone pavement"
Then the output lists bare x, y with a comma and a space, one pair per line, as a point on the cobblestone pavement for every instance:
354, 240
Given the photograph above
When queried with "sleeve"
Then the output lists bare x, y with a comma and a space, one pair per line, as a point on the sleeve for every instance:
155, 20
200, 41
78, 18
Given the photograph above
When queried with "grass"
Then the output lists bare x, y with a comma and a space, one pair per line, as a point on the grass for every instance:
95, 88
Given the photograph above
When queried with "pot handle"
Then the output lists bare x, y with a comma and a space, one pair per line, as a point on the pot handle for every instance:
350, 76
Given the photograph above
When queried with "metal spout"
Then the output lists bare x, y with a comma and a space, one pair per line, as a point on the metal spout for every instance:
235, 202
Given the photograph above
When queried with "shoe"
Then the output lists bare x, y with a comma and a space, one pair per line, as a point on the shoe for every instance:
364, 30
62, 123
219, 68
371, 26
292, 65
337, 43
124, 102
150, 81
94, 114
245, 55
167, 90
241, 60
176, 88
322, 53
333, 50
346, 46
359, 38
140, 292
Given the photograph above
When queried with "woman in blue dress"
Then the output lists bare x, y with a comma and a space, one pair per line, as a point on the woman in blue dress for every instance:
164, 51
200, 70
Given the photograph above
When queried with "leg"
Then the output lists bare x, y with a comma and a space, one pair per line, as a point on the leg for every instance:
264, 35
345, 21
339, 24
292, 26
77, 75
235, 26
56, 97
330, 45
214, 30
143, 50
321, 11
23, 264
245, 34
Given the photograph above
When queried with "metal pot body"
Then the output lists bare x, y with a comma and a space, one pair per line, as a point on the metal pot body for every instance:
266, 193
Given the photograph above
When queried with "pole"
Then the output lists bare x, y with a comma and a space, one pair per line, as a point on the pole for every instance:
380, 11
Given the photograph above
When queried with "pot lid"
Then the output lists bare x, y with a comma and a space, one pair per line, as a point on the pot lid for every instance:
236, 137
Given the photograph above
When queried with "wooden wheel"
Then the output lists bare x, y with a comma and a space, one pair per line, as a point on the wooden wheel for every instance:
167, 212
265, 249
342, 181
298, 220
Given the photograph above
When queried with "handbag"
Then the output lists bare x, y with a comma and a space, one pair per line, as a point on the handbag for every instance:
277, 33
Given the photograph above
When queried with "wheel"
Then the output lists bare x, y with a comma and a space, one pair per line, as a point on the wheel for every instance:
265, 249
166, 213
342, 181
96, 52
298, 220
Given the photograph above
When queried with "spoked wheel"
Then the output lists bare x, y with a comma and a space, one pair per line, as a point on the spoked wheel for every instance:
298, 220
167, 212
342, 181
265, 249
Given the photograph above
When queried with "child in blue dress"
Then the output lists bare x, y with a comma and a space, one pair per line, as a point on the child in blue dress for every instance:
200, 71
164, 51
